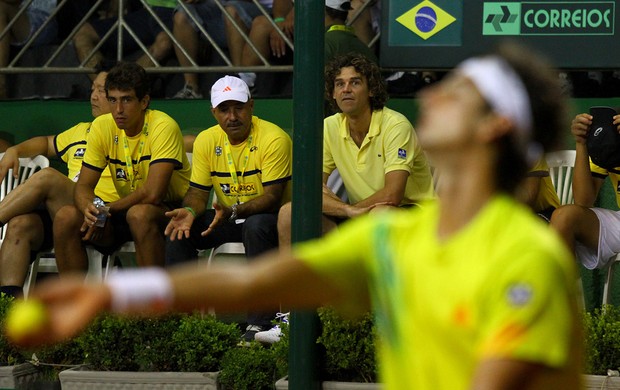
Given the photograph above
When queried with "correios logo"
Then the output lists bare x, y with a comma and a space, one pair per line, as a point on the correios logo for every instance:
426, 19
549, 18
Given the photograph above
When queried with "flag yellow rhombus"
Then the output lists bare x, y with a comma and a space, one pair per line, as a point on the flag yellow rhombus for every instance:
426, 19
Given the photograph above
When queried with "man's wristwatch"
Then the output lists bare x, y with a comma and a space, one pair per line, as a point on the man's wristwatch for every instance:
233, 215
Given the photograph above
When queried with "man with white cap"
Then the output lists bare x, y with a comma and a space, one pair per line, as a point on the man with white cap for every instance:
246, 161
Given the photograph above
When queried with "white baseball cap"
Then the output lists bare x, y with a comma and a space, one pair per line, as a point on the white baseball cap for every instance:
229, 88
338, 5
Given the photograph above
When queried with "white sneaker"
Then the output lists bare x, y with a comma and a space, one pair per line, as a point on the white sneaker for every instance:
274, 334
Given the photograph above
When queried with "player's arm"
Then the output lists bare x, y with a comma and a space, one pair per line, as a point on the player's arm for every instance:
84, 193
276, 278
585, 186
268, 202
42, 145
392, 192
152, 192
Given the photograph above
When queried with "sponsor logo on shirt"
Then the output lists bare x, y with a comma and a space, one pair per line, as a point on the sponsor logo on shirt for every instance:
519, 294
121, 174
402, 153
241, 189
218, 150
79, 153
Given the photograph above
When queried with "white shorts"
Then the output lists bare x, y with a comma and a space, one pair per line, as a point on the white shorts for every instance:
608, 240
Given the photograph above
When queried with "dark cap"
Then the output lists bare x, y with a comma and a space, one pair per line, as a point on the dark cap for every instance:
603, 139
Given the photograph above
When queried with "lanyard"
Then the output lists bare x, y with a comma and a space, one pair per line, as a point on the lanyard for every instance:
341, 27
128, 161
231, 163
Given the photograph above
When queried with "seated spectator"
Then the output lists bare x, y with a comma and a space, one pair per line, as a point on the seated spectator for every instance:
209, 17
246, 162
592, 232
148, 31
537, 191
143, 150
28, 210
374, 148
23, 29
242, 17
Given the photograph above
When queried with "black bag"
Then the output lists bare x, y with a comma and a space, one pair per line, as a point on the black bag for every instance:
603, 139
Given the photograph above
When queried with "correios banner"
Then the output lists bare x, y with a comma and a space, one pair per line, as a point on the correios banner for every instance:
438, 34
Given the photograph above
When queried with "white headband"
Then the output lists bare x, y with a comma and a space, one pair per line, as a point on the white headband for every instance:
504, 91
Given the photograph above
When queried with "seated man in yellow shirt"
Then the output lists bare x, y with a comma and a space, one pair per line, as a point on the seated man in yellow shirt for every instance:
537, 191
143, 150
375, 149
246, 163
28, 210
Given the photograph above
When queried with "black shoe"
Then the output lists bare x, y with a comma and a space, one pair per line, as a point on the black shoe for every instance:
249, 334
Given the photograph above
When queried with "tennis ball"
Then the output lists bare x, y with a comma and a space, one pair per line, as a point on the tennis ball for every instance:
25, 317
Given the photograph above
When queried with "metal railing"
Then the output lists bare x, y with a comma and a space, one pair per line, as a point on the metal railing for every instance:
50, 65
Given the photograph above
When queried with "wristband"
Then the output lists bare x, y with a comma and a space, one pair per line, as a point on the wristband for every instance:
140, 289
191, 210
279, 19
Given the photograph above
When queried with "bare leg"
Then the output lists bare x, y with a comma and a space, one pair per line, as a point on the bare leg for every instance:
160, 49
234, 38
24, 234
147, 224
284, 225
576, 223
68, 245
362, 25
48, 185
259, 36
85, 41
187, 37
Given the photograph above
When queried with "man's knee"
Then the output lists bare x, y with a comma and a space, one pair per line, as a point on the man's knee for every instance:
22, 226
566, 215
67, 218
144, 216
284, 217
162, 46
180, 19
85, 34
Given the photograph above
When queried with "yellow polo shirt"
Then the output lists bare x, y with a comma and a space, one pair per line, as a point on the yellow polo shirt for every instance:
547, 196
160, 141
391, 144
70, 146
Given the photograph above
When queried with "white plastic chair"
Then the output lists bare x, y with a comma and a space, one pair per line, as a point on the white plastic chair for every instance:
561, 164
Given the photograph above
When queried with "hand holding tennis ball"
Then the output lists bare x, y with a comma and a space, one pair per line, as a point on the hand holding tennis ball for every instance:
25, 318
